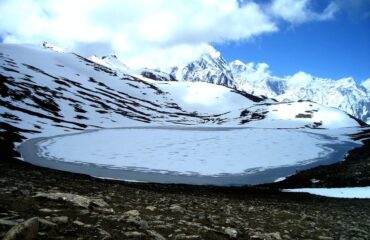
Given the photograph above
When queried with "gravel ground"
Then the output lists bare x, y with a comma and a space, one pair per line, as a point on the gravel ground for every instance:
38, 203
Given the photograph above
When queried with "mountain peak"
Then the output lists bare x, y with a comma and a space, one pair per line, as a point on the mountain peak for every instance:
237, 63
212, 52
209, 67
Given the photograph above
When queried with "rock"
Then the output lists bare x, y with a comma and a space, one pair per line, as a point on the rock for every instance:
151, 208
176, 208
183, 236
25, 231
106, 235
155, 235
256, 237
99, 203
141, 224
81, 224
275, 235
131, 213
60, 220
46, 225
357, 231
7, 223
231, 232
84, 211
42, 234
325, 238
78, 223
77, 200
136, 235
47, 210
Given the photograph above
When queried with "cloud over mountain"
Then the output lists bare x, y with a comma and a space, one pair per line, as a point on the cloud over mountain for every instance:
147, 33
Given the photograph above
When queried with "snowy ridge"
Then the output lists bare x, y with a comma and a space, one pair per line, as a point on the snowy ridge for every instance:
45, 92
110, 61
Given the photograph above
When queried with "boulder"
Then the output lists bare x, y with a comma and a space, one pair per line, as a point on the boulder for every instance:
77, 200
231, 232
60, 219
176, 208
24, 231
46, 225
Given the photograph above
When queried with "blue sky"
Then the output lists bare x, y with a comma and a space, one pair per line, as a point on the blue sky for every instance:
331, 49
324, 38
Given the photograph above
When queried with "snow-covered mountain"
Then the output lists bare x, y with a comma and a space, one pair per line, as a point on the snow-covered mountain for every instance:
256, 79
210, 67
344, 93
44, 92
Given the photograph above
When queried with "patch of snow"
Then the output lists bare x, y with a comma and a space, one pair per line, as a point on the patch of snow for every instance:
280, 179
315, 180
349, 192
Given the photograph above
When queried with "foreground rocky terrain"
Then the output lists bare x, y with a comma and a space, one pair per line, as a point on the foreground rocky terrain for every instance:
39, 203
47, 204
71, 206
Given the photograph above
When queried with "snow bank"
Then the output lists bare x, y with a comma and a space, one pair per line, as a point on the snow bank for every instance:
350, 192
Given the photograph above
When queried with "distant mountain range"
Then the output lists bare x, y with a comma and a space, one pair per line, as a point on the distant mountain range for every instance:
256, 79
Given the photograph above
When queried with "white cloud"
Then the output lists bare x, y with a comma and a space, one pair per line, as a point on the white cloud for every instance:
142, 33
299, 11
256, 72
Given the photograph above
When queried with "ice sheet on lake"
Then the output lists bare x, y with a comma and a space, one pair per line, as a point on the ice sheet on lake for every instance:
191, 151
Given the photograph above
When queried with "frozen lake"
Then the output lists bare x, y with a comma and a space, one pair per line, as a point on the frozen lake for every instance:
220, 156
